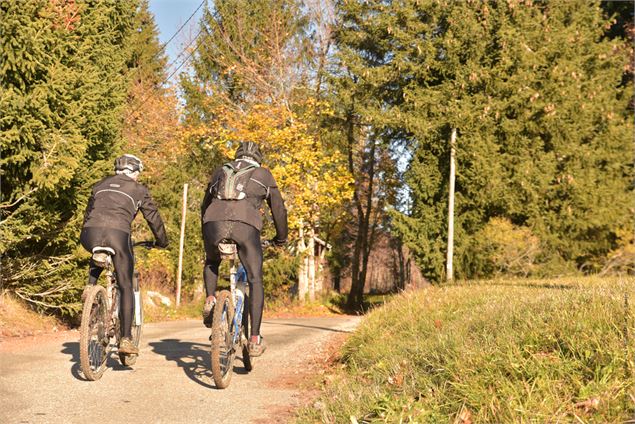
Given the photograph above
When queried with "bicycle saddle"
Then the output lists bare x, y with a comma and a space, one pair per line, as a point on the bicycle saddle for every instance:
227, 247
102, 254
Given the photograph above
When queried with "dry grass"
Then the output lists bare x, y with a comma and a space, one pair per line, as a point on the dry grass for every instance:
18, 320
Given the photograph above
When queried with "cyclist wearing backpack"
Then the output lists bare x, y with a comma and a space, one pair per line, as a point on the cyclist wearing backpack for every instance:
231, 210
112, 207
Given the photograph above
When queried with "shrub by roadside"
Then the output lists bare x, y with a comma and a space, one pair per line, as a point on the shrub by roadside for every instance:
496, 351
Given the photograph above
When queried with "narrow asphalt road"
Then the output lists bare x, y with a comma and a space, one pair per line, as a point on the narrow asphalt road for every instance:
40, 380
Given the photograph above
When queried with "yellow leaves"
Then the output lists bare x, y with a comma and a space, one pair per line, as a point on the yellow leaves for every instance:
312, 178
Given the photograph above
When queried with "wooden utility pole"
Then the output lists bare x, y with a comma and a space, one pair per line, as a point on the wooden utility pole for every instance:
450, 254
181, 242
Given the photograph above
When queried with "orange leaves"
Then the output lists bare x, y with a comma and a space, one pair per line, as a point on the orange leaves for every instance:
152, 130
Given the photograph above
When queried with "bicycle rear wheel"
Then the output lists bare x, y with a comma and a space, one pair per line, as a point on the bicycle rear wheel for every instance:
93, 336
137, 323
222, 350
247, 360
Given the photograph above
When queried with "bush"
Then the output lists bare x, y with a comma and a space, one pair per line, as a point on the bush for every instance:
279, 273
502, 248
156, 270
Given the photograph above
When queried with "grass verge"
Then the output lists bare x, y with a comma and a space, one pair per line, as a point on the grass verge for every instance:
496, 351
18, 320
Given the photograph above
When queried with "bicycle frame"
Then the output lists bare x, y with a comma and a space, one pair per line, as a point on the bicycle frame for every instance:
112, 299
100, 330
238, 291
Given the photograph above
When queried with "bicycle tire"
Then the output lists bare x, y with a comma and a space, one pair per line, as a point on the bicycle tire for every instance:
125, 359
247, 360
222, 351
93, 334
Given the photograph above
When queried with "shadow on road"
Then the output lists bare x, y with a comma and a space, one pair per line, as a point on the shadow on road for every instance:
194, 358
72, 348
335, 330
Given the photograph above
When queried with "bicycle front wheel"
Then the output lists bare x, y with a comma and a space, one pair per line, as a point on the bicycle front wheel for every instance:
222, 350
93, 334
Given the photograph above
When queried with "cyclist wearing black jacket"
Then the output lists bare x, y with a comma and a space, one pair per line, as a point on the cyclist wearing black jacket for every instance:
240, 220
112, 207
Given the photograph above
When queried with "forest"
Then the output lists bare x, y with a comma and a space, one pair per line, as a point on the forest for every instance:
358, 106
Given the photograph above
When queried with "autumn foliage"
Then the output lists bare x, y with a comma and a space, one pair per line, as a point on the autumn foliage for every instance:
312, 177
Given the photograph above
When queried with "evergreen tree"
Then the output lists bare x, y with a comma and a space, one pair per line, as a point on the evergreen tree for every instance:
365, 96
147, 59
63, 90
544, 135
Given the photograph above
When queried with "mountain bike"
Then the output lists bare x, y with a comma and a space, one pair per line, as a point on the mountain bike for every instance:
230, 323
100, 327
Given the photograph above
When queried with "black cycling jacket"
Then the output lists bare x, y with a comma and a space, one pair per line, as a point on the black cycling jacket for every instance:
261, 186
114, 203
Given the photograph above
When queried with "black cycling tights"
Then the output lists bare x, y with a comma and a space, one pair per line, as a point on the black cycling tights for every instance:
247, 239
124, 267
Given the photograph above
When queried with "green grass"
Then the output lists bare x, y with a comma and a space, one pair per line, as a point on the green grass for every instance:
490, 352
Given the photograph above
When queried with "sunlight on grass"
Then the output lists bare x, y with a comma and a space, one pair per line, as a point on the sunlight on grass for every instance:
491, 351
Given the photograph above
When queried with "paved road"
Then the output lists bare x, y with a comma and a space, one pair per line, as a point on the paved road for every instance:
40, 381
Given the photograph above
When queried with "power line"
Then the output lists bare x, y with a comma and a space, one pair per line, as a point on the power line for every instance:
176, 59
164, 46
162, 49
142, 103
188, 57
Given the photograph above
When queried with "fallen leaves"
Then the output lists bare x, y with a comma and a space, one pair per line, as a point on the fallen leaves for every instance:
588, 405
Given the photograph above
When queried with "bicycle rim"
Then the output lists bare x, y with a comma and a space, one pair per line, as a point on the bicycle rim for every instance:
222, 349
247, 359
94, 339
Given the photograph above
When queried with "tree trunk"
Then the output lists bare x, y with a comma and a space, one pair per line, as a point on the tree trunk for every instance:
319, 283
303, 283
310, 258
401, 266
363, 241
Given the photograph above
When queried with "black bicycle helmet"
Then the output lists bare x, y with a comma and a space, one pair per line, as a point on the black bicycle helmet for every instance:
249, 150
129, 162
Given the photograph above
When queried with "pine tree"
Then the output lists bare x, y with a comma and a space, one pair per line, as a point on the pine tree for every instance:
147, 59
63, 90
365, 95
544, 136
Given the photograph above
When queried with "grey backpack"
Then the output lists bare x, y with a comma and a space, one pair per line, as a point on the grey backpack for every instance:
231, 185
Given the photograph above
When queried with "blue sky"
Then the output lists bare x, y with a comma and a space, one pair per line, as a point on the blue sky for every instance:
169, 16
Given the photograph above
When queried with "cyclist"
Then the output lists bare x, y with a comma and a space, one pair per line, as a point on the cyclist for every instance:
231, 210
112, 207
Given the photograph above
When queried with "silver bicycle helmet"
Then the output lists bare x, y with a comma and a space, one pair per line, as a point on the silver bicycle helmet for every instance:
249, 150
128, 162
